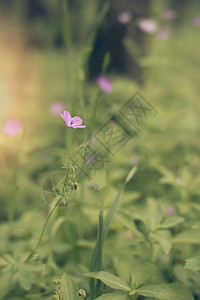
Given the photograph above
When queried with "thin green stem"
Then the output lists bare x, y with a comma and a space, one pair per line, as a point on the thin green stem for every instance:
100, 243
96, 261
66, 27
68, 144
43, 230
94, 112
98, 96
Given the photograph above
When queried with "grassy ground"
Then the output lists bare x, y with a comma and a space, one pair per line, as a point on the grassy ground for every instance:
166, 152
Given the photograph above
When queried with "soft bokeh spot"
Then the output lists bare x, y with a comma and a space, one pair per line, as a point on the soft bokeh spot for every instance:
134, 160
105, 84
170, 14
56, 108
95, 186
171, 212
147, 25
12, 127
129, 235
124, 17
163, 34
180, 182
196, 21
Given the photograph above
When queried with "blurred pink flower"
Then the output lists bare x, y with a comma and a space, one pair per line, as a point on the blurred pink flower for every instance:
129, 235
196, 21
163, 34
171, 212
74, 122
104, 83
148, 26
124, 17
12, 127
56, 108
170, 14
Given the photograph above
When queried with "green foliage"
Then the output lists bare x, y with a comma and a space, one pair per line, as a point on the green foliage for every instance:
190, 236
116, 236
111, 296
112, 281
171, 291
193, 263
141, 273
68, 288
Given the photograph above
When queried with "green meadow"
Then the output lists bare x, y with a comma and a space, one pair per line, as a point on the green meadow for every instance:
111, 210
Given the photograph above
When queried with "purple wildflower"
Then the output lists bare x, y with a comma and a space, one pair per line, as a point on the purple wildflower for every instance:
196, 21
104, 83
74, 122
169, 14
124, 17
56, 108
12, 127
148, 26
171, 212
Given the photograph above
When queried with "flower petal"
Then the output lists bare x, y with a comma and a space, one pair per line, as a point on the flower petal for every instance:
76, 121
105, 84
67, 117
12, 127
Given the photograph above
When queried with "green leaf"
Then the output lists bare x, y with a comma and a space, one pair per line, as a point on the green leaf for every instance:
191, 236
111, 212
171, 222
110, 216
130, 174
125, 220
25, 281
109, 279
94, 265
116, 202
141, 217
5, 284
113, 296
141, 273
193, 263
171, 291
27, 275
106, 225
153, 213
100, 244
68, 288
57, 225
163, 238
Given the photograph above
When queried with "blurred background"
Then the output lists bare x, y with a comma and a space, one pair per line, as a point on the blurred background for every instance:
89, 57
